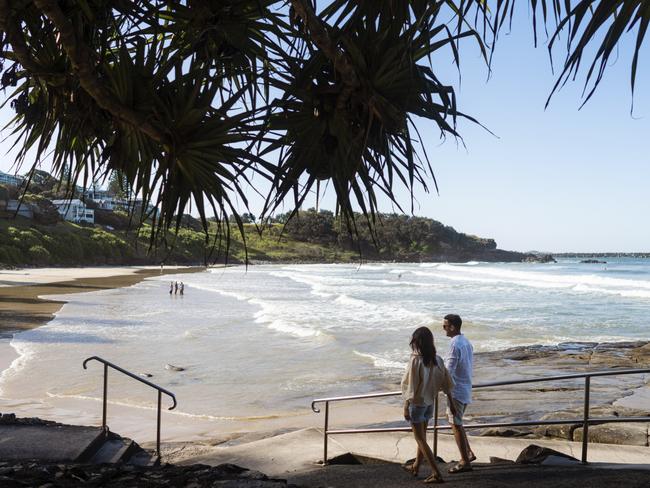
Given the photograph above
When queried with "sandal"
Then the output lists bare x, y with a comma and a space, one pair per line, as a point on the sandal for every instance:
434, 478
412, 469
460, 468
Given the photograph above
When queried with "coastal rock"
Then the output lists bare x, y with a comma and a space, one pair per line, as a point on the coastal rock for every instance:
631, 434
539, 258
78, 475
504, 432
611, 396
536, 455
8, 418
11, 419
641, 355
558, 431
171, 367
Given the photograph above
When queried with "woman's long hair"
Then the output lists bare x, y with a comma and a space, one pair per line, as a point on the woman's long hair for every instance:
422, 343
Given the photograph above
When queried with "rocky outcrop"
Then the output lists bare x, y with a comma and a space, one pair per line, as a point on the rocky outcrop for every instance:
11, 419
539, 258
619, 396
118, 476
537, 455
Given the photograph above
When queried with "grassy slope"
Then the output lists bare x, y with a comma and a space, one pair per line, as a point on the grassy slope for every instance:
24, 243
272, 246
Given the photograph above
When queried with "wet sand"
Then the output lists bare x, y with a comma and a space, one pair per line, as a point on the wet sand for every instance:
21, 305
22, 309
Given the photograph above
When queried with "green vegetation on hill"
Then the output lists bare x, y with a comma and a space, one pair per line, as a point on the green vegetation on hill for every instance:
309, 236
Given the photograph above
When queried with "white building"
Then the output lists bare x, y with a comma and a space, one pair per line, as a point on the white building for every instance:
15, 207
7, 179
75, 211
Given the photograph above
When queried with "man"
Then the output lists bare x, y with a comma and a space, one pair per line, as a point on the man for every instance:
459, 363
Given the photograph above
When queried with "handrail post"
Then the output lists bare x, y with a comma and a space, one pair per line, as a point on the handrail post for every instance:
158, 424
585, 422
160, 390
104, 426
327, 417
435, 428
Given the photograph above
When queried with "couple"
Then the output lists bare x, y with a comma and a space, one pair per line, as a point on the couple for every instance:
426, 375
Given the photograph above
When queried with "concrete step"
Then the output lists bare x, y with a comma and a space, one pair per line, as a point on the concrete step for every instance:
48, 442
145, 459
114, 450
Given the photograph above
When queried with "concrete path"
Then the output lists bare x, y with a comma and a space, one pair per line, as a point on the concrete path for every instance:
303, 449
483, 476
54, 443
294, 456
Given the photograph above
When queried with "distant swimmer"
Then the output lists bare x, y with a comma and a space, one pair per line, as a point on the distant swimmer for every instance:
175, 287
182, 289
171, 287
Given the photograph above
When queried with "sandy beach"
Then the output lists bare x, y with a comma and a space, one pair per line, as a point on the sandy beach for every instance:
22, 308
21, 305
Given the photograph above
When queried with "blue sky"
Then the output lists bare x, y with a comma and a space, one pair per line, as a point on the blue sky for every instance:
560, 179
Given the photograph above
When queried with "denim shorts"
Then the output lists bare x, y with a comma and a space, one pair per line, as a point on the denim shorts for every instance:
460, 411
420, 413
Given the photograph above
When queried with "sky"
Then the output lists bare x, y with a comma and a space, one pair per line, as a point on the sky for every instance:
561, 179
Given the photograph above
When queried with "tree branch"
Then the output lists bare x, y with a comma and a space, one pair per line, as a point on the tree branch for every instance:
19, 46
82, 64
324, 42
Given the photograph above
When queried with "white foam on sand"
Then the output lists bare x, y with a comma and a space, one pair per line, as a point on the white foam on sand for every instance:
382, 362
8, 356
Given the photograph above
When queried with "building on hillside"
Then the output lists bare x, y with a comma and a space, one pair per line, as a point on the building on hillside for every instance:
102, 198
16, 208
135, 205
7, 179
75, 211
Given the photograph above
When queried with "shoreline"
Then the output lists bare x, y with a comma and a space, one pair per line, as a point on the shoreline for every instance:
179, 426
23, 308
21, 305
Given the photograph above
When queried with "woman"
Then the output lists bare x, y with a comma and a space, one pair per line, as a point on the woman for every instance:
425, 376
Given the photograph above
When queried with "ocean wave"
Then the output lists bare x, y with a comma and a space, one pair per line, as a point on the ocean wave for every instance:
328, 287
382, 362
536, 276
399, 271
270, 315
25, 354
533, 279
319, 286
409, 283
237, 296
620, 292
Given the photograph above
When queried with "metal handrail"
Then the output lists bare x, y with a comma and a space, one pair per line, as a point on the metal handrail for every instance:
148, 383
585, 420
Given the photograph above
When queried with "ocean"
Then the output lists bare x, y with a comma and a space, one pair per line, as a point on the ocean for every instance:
263, 341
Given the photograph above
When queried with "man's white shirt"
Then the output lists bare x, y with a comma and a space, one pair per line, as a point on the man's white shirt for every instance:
459, 362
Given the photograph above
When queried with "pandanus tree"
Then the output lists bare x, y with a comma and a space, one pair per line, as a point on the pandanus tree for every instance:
200, 102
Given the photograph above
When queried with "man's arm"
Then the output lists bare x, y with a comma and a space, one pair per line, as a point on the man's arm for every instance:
453, 359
